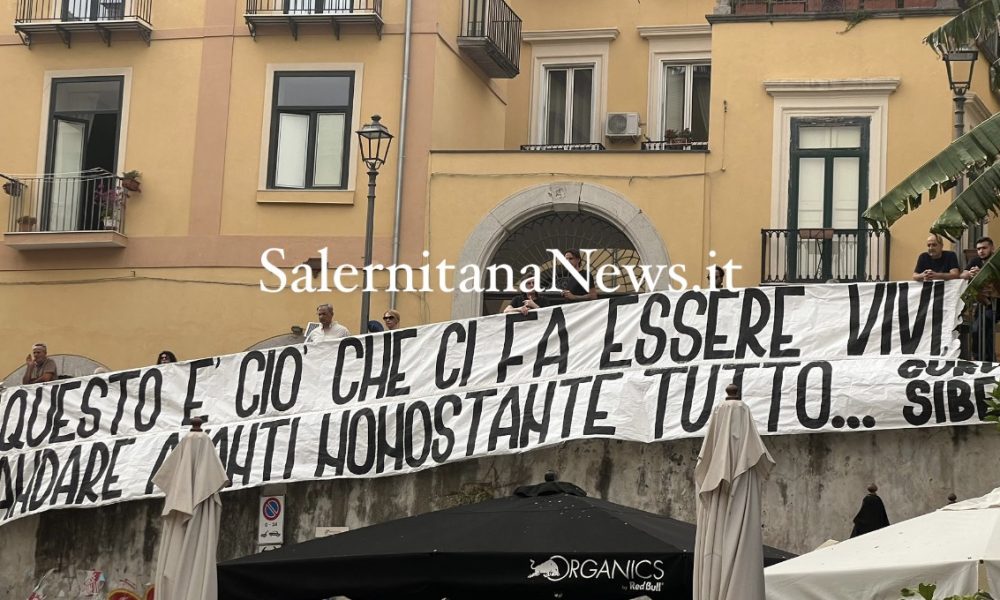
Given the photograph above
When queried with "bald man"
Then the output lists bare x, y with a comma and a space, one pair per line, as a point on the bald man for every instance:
937, 263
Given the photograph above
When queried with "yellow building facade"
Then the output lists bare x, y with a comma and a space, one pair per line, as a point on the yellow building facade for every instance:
656, 132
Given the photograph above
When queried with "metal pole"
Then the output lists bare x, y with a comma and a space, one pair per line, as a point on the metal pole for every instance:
369, 232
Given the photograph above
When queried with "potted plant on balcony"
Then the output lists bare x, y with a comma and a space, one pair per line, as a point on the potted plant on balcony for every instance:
13, 188
26, 223
130, 181
110, 203
670, 136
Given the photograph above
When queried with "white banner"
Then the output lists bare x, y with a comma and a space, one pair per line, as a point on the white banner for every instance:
643, 368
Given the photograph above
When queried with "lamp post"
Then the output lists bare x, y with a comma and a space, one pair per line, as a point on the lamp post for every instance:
960, 64
374, 141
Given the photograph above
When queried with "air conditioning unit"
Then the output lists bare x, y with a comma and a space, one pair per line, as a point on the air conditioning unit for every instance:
622, 125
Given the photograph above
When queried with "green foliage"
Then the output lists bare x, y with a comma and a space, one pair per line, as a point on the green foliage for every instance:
926, 591
964, 29
993, 407
986, 284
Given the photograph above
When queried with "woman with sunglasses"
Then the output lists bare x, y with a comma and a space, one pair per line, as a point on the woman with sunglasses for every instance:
391, 319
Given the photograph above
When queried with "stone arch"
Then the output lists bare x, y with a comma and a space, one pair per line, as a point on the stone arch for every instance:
565, 196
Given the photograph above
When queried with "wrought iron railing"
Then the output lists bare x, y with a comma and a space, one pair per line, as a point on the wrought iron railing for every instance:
35, 11
823, 254
313, 7
596, 147
656, 145
494, 20
88, 201
778, 7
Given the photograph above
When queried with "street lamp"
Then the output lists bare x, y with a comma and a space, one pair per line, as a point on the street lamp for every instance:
374, 140
960, 64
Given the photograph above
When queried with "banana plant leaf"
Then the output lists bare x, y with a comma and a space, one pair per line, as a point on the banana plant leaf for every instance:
986, 284
974, 204
964, 29
974, 150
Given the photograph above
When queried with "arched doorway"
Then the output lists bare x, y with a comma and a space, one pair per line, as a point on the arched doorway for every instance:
601, 214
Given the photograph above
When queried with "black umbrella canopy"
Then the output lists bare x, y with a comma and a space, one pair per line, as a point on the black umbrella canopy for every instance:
547, 541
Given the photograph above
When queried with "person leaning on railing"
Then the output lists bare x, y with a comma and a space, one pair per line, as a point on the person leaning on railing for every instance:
937, 263
38, 367
983, 323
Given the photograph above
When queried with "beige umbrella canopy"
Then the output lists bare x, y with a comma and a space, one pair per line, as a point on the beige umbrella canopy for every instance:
191, 477
728, 551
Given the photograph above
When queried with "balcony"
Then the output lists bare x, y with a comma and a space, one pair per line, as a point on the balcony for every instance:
595, 147
491, 37
63, 18
674, 146
316, 14
820, 8
78, 210
819, 255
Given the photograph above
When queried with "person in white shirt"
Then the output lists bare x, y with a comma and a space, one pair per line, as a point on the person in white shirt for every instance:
328, 329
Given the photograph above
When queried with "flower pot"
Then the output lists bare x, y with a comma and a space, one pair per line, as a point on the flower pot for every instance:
110, 223
25, 227
131, 185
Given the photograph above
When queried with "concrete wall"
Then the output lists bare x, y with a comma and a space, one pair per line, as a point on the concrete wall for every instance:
811, 495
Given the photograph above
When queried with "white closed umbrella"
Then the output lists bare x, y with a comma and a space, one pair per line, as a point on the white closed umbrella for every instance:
191, 477
728, 547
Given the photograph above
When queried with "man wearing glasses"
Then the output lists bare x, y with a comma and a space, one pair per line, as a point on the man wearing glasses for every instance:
391, 319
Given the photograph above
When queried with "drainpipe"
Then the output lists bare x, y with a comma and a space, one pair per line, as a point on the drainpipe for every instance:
401, 144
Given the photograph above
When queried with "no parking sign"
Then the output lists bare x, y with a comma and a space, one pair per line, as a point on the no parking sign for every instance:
271, 522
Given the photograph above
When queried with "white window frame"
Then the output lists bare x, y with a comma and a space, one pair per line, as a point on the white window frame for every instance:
672, 45
570, 92
827, 98
572, 48
265, 131
124, 72
688, 94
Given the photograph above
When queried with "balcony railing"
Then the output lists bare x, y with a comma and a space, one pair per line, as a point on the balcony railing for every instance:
665, 145
820, 255
89, 201
491, 37
65, 17
819, 7
295, 13
595, 147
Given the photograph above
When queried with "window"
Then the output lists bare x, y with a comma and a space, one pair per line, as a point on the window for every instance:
569, 104
83, 133
686, 99
310, 133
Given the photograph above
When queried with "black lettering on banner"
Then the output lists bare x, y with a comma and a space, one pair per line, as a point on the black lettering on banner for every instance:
233, 466
747, 337
46, 471
857, 335
477, 412
939, 413
965, 368
915, 394
338, 372
390, 447
662, 394
777, 382
980, 385
444, 349
528, 421
441, 453
646, 327
610, 345
368, 379
271, 427
41, 393
510, 408
706, 408
122, 380
323, 457
738, 371
290, 449
190, 404
57, 421
557, 323
506, 360
937, 318
110, 478
590, 426
908, 369
290, 352
97, 463
910, 333
574, 386
220, 439
421, 435
937, 368
11, 440
168, 446
157, 377
82, 430
692, 332
12, 480
825, 388
891, 289
960, 406
69, 477
712, 338
395, 375
354, 441
777, 339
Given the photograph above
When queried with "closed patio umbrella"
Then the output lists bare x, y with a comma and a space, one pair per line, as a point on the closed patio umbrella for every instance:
729, 547
191, 477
